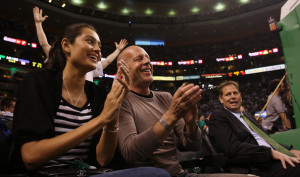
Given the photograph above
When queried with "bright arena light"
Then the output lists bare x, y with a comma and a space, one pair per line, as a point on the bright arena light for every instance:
220, 6
77, 2
148, 11
102, 5
244, 1
172, 12
63, 5
125, 11
195, 10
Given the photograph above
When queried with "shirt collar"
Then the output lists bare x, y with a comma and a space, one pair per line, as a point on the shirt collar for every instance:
237, 115
145, 96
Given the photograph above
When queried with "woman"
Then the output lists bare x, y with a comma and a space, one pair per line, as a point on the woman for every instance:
39, 19
59, 116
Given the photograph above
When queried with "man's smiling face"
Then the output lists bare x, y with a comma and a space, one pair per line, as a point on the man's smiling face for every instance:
140, 67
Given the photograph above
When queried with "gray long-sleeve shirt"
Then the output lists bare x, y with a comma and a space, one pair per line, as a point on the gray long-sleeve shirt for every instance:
138, 142
274, 108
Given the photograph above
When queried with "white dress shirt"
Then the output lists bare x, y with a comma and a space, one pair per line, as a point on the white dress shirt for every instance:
260, 141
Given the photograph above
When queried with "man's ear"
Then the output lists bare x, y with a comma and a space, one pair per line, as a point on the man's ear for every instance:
220, 99
65, 44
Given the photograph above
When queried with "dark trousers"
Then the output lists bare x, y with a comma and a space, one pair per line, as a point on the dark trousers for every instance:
137, 172
275, 169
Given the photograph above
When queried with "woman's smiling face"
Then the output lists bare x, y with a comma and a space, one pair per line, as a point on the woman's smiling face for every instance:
85, 52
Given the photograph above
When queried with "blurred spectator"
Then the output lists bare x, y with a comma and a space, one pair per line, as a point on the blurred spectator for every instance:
7, 107
287, 100
276, 119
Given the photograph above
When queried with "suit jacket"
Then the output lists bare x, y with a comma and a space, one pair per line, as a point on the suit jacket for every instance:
231, 137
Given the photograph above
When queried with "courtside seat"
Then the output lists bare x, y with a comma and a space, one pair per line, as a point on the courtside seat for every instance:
208, 160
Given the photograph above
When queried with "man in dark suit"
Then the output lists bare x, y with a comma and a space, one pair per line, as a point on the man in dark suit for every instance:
233, 135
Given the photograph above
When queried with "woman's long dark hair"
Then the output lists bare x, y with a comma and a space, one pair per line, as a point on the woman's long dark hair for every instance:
57, 58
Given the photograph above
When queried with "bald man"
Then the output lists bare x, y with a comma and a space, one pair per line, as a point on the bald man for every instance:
150, 120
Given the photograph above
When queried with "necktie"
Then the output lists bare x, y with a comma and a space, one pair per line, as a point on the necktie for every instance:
269, 140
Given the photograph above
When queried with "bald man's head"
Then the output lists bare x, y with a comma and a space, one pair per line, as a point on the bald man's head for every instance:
127, 52
140, 67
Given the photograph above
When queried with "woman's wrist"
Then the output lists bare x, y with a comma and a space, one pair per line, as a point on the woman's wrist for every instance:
118, 50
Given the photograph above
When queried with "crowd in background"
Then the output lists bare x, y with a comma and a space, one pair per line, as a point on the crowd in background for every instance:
206, 51
254, 92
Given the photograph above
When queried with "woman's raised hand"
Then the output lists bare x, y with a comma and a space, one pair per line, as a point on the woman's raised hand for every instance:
38, 15
120, 88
